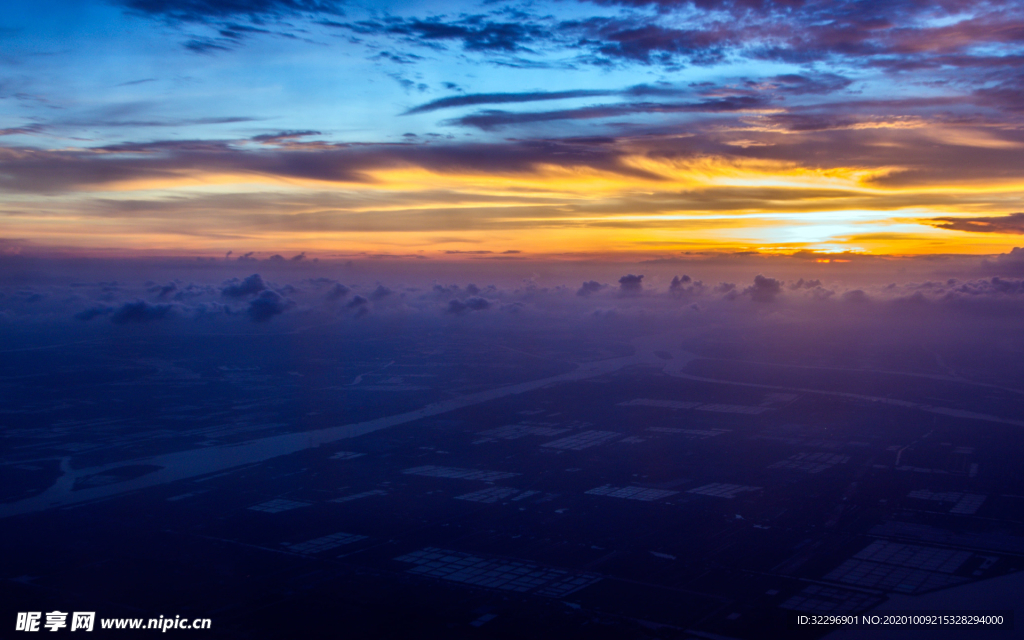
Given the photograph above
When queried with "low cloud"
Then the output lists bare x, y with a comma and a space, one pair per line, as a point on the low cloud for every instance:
685, 286
590, 287
337, 292
239, 289
140, 312
804, 284
267, 305
93, 312
764, 289
855, 296
631, 284
459, 307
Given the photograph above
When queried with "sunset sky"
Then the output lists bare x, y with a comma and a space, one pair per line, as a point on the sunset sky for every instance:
557, 129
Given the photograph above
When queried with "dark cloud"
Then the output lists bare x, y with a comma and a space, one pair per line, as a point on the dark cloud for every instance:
380, 292
804, 284
589, 287
685, 286
205, 10
192, 290
237, 32
793, 84
93, 312
473, 32
267, 305
993, 286
764, 289
112, 120
986, 295
140, 312
855, 296
503, 98
737, 6
631, 284
16, 131
927, 161
408, 85
205, 45
897, 36
445, 291
135, 82
798, 32
226, 15
808, 122
283, 136
805, 301
1007, 263
679, 282
357, 301
459, 307
1012, 223
639, 40
1007, 92
398, 58
798, 84
337, 292
164, 291
28, 296
494, 118
28, 169
241, 288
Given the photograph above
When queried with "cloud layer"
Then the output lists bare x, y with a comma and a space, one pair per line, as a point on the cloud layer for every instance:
484, 129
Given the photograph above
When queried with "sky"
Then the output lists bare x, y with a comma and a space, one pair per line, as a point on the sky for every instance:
615, 129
